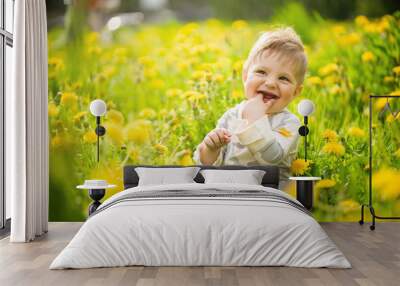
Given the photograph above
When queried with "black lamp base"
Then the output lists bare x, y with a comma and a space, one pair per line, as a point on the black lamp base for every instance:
304, 193
96, 195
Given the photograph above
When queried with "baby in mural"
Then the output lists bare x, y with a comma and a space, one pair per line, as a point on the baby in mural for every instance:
261, 130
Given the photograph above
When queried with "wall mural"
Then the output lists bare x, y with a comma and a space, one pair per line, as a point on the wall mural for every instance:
165, 86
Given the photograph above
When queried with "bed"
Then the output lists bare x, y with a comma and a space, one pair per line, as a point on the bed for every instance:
201, 224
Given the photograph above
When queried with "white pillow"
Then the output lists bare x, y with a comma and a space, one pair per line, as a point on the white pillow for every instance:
249, 177
163, 176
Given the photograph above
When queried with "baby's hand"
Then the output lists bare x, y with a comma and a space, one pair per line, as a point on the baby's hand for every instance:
255, 108
217, 138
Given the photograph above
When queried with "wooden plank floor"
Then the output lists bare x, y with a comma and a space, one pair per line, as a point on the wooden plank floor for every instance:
374, 255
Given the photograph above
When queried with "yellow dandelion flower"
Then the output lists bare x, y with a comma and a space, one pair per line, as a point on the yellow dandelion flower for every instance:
198, 74
198, 50
339, 29
356, 132
90, 137
386, 181
183, 65
186, 159
388, 79
385, 21
218, 78
187, 94
69, 99
147, 113
325, 184
192, 95
383, 25
208, 76
284, 132
115, 134
162, 149
372, 27
328, 69
334, 148
52, 110
239, 24
396, 70
173, 92
238, 66
189, 28
236, 94
213, 22
77, 117
349, 205
336, 89
115, 117
138, 132
300, 166
331, 79
56, 63
380, 103
349, 39
146, 61
330, 135
157, 83
368, 57
197, 96
206, 66
361, 21
109, 72
314, 80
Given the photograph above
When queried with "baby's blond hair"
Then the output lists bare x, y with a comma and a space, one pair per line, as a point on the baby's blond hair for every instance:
285, 42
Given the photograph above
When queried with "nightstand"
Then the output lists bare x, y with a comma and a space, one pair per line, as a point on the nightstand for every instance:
304, 190
97, 190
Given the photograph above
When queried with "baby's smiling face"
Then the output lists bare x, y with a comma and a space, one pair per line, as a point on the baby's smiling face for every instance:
273, 77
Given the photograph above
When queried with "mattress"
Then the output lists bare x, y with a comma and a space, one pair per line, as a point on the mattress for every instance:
201, 225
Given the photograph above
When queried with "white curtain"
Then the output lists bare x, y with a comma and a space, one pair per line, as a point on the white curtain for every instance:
27, 124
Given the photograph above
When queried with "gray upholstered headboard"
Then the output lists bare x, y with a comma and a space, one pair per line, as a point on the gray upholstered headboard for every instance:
270, 179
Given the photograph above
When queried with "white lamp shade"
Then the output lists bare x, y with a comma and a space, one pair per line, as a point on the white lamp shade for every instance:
98, 107
305, 107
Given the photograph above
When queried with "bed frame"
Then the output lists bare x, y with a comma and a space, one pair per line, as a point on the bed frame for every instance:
270, 179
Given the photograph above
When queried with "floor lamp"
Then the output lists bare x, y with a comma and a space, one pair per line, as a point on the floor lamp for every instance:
370, 206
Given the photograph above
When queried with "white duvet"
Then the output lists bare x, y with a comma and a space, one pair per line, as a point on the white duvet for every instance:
183, 231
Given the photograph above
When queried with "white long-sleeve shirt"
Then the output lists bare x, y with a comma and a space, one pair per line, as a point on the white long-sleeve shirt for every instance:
271, 140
